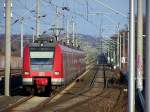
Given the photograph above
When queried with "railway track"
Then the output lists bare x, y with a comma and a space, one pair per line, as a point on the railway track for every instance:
9, 107
91, 83
80, 95
39, 102
77, 97
90, 91
30, 103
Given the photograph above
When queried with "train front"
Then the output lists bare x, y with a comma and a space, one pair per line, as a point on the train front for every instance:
38, 65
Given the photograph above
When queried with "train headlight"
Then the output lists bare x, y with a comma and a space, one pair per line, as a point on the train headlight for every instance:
57, 73
26, 73
41, 44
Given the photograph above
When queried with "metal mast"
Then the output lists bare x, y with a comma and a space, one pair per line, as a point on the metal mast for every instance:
139, 57
37, 18
124, 51
67, 37
118, 51
21, 22
131, 92
87, 9
147, 72
57, 23
33, 37
7, 45
73, 33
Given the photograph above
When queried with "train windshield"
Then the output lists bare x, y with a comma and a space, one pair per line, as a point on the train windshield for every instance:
41, 60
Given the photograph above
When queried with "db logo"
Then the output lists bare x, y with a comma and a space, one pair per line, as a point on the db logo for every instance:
41, 74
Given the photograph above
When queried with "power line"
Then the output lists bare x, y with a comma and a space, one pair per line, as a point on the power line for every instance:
75, 13
32, 28
31, 11
110, 8
18, 19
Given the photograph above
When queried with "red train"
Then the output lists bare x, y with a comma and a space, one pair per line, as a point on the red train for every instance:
47, 62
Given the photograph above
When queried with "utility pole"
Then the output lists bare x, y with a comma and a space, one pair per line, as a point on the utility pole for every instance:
76, 40
76, 36
139, 58
108, 55
37, 18
114, 53
57, 22
73, 33
147, 72
57, 28
7, 45
114, 56
21, 22
120, 53
63, 21
0, 26
131, 82
67, 37
87, 9
124, 50
33, 37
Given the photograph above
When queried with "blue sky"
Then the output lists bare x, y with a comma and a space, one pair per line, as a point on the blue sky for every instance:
78, 11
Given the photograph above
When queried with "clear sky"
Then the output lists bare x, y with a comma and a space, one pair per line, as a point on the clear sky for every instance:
106, 19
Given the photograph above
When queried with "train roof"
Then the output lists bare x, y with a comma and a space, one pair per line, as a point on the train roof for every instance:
70, 49
43, 42
51, 42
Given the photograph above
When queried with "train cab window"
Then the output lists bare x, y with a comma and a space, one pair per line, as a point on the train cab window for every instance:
41, 60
